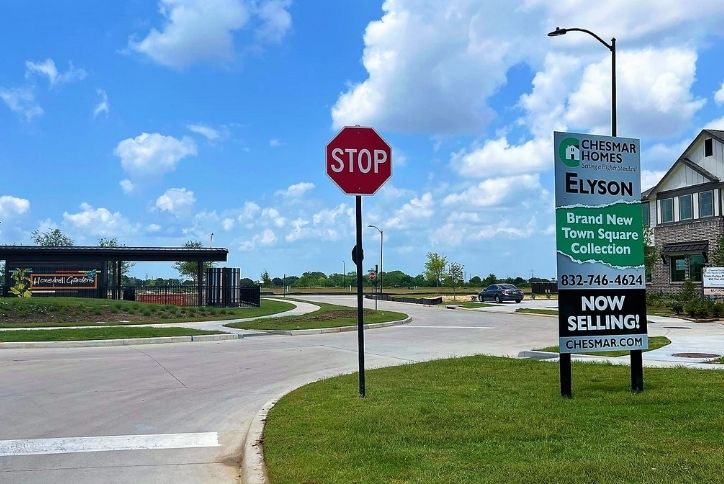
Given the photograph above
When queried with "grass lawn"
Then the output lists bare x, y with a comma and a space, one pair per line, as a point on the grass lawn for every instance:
328, 316
97, 333
473, 305
486, 419
655, 342
548, 312
65, 311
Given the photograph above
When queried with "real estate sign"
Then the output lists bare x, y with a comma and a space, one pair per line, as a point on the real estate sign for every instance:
599, 242
713, 281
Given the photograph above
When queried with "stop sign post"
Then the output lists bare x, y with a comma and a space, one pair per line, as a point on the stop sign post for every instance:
359, 162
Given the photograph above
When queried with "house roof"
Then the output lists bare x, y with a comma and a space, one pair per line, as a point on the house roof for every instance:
714, 133
94, 253
682, 247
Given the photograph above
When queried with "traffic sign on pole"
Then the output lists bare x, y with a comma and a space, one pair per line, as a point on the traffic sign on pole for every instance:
358, 160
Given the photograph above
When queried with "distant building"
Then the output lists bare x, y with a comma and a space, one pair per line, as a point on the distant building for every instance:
685, 211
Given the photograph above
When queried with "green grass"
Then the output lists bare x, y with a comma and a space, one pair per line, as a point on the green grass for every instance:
328, 316
547, 312
655, 342
111, 332
473, 305
58, 312
486, 419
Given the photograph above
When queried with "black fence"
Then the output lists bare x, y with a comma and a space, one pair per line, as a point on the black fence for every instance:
544, 287
177, 295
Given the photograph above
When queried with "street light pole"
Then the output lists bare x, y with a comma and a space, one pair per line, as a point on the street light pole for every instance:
611, 47
344, 274
382, 238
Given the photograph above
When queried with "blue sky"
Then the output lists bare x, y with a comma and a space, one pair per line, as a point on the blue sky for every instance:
163, 121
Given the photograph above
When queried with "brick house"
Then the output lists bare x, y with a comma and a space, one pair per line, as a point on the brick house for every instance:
684, 210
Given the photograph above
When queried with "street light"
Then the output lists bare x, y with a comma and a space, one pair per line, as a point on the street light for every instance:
612, 47
382, 238
211, 240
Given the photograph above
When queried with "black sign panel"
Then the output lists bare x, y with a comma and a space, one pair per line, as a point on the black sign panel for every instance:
602, 320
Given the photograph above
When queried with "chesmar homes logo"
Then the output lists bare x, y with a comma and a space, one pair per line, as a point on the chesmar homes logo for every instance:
569, 151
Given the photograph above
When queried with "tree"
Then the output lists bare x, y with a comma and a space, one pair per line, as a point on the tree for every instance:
265, 279
435, 267
491, 279
21, 283
188, 268
475, 281
455, 273
277, 282
51, 238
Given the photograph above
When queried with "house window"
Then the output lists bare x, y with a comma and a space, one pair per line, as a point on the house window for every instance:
667, 210
706, 204
708, 147
696, 264
645, 214
678, 268
685, 210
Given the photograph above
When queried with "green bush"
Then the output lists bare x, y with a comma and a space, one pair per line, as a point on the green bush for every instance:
677, 307
699, 307
146, 312
718, 309
688, 291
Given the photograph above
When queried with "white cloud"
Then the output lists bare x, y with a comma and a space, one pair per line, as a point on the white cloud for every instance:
296, 190
249, 212
497, 156
654, 88
203, 30
48, 69
127, 186
153, 228
265, 238
207, 132
275, 143
719, 95
21, 100
153, 153
415, 211
176, 200
228, 223
432, 65
102, 107
98, 222
11, 206
298, 231
715, 124
275, 20
274, 216
650, 178
495, 192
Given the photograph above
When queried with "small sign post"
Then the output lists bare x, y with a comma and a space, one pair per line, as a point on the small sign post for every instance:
600, 250
359, 161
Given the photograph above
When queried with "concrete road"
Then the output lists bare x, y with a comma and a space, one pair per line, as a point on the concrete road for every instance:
183, 409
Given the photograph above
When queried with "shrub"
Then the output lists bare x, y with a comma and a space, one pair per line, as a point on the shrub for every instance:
677, 307
718, 309
688, 291
146, 312
698, 307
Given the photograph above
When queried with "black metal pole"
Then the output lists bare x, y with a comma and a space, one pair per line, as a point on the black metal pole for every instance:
565, 369
637, 372
613, 86
360, 299
377, 285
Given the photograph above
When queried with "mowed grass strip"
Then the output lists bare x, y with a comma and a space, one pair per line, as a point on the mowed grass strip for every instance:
66, 311
82, 334
655, 342
328, 316
486, 419
546, 312
473, 305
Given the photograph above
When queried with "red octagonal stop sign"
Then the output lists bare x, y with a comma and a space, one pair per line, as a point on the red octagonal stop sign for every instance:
359, 160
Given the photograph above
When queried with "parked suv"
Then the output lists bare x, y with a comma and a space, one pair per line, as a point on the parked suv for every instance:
500, 293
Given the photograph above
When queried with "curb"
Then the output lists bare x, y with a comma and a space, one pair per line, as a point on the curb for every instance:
253, 469
342, 329
538, 355
118, 342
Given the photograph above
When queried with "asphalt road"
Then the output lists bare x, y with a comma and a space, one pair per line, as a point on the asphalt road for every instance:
203, 391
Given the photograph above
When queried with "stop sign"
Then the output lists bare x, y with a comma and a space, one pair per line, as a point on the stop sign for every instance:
358, 160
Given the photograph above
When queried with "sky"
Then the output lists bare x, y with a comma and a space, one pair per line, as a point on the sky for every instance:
159, 122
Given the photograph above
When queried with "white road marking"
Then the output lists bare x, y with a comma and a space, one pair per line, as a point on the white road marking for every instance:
66, 445
444, 327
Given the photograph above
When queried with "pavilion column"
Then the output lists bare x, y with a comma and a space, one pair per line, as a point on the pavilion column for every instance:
119, 264
200, 281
